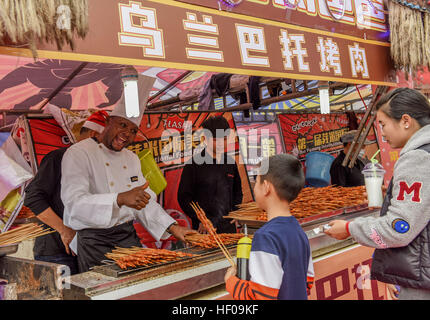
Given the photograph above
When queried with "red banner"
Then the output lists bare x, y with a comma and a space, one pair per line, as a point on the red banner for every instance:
345, 275
304, 133
171, 34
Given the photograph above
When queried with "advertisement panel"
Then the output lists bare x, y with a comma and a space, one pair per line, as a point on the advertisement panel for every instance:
303, 133
258, 141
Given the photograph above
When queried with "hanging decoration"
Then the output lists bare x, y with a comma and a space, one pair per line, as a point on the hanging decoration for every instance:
25, 22
409, 34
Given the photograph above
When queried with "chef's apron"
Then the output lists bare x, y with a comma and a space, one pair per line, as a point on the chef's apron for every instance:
93, 244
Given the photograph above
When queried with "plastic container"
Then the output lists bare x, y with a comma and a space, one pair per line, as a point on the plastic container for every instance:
318, 168
151, 172
373, 179
243, 252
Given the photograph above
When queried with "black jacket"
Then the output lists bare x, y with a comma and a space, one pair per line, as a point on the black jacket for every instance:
344, 176
43, 192
216, 187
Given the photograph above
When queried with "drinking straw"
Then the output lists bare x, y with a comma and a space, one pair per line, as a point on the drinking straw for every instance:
374, 162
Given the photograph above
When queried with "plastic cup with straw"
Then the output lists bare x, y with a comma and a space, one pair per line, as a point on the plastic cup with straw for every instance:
373, 178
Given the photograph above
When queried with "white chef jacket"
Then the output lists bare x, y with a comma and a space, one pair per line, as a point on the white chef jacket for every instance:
92, 177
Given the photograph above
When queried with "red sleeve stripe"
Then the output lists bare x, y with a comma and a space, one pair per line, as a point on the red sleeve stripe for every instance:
248, 290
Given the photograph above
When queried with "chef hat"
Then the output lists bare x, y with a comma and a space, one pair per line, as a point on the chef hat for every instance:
144, 83
96, 121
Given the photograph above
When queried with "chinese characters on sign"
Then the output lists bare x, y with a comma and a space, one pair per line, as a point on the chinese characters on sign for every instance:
299, 52
252, 39
364, 14
320, 140
211, 41
245, 44
145, 34
330, 57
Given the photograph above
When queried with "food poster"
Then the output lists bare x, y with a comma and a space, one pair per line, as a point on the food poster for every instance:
304, 133
257, 141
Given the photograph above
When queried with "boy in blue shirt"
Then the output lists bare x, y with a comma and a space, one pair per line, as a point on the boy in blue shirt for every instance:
280, 262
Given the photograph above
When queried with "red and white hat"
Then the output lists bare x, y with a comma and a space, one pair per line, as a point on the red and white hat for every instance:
96, 121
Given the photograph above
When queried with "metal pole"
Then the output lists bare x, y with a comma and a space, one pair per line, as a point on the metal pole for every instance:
171, 84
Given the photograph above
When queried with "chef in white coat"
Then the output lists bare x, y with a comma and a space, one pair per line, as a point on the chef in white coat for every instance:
103, 189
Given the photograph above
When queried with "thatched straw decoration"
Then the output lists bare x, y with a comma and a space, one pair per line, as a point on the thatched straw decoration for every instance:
25, 22
427, 39
409, 37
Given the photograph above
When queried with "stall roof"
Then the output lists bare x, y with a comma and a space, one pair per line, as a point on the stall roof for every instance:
26, 84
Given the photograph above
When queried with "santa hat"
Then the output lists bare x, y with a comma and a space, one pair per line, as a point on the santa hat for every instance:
144, 83
96, 121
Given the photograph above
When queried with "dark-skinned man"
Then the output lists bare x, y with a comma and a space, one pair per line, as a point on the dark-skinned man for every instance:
103, 189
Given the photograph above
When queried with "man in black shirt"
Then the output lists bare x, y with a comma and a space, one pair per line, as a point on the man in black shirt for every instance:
212, 179
345, 176
42, 197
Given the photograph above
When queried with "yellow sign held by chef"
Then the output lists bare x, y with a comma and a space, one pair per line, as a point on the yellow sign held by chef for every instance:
151, 172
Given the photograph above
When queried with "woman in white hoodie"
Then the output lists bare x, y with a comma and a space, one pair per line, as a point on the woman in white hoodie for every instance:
401, 235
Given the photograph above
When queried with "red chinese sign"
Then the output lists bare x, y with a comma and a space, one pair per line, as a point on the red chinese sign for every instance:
345, 275
352, 17
172, 34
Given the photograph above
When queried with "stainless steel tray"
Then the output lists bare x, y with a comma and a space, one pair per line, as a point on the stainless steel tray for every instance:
8, 249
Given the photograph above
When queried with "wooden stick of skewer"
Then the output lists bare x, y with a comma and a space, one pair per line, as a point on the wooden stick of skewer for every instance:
202, 216
22, 233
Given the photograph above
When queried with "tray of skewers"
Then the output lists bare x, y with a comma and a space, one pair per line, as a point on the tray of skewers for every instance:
311, 204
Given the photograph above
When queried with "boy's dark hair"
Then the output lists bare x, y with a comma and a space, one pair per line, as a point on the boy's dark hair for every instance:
285, 172
402, 101
214, 123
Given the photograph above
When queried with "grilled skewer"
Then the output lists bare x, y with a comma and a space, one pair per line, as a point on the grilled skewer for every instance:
201, 215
